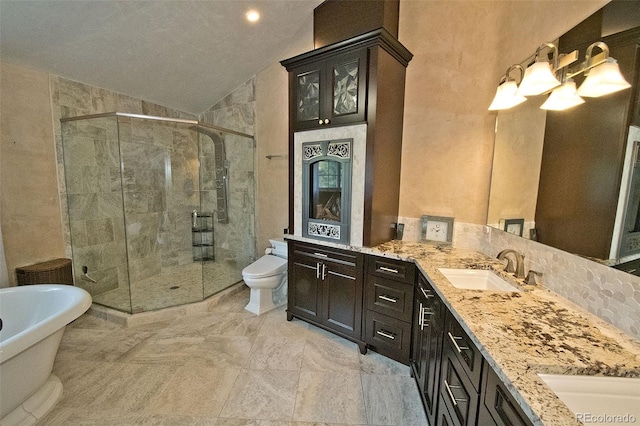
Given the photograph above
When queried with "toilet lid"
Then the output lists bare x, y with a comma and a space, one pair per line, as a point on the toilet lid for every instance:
267, 266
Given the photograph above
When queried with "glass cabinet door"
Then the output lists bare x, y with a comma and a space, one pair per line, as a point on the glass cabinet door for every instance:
329, 91
345, 88
347, 76
308, 105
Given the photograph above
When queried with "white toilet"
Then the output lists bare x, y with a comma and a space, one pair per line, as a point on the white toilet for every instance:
267, 279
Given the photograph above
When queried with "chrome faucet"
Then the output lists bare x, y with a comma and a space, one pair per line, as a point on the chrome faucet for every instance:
519, 259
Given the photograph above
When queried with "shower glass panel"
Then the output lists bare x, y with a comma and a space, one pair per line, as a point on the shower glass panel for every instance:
161, 211
96, 218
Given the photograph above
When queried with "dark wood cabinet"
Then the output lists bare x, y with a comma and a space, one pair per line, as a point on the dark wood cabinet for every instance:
389, 301
330, 91
360, 80
326, 289
456, 384
427, 341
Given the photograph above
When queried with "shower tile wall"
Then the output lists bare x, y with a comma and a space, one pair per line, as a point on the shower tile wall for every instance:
235, 241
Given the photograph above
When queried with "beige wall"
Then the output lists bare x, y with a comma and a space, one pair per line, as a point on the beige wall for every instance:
461, 48
31, 220
272, 138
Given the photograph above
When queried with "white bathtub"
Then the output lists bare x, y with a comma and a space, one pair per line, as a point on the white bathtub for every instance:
33, 321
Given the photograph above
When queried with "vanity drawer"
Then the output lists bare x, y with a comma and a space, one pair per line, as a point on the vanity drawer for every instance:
388, 336
464, 350
397, 270
499, 408
325, 254
389, 297
457, 395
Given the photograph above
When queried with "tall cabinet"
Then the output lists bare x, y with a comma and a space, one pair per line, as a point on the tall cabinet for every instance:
357, 81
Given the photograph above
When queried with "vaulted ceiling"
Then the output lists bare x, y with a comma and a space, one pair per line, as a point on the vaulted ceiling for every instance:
185, 54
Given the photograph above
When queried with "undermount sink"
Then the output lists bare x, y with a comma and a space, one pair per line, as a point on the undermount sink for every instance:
598, 400
476, 279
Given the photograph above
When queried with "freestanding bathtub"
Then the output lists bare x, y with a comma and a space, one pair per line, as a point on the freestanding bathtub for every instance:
33, 321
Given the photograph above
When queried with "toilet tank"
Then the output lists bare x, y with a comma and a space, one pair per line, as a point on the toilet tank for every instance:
279, 247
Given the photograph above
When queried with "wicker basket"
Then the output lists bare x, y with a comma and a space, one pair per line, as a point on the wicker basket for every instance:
56, 271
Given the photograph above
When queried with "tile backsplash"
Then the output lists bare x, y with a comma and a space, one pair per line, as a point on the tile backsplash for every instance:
610, 294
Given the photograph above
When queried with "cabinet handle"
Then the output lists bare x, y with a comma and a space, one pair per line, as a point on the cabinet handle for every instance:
453, 340
385, 334
324, 271
385, 269
453, 398
421, 317
423, 314
388, 298
426, 293
317, 270
320, 254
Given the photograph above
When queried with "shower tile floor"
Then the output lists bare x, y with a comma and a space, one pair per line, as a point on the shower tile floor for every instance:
226, 367
159, 291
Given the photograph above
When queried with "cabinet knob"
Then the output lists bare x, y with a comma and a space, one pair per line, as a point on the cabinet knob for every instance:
326, 121
320, 121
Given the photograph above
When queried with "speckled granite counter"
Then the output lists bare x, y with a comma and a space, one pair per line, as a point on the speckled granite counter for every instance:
522, 334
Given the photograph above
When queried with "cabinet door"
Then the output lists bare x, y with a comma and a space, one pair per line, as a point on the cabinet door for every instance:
427, 345
342, 299
304, 296
306, 85
418, 348
346, 87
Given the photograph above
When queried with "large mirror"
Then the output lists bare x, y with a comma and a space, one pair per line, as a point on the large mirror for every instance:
563, 177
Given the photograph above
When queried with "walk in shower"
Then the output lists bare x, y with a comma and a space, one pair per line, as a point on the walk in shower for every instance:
161, 211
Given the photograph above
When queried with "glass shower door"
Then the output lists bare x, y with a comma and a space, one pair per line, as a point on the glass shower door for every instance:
161, 189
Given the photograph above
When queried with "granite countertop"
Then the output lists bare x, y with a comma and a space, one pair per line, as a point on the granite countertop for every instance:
522, 334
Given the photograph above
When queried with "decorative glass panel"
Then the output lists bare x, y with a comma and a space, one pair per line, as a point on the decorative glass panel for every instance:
345, 88
309, 96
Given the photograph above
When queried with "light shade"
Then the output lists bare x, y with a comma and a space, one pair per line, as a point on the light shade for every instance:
537, 79
506, 96
564, 97
603, 79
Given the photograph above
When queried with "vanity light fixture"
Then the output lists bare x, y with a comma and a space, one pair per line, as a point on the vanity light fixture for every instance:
506, 94
563, 97
602, 78
603, 74
539, 77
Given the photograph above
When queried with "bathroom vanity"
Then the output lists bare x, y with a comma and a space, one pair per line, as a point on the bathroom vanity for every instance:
475, 355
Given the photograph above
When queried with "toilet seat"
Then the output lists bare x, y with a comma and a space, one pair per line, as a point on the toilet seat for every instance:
267, 266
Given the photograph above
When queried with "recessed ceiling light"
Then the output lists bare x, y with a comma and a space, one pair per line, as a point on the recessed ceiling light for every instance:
252, 16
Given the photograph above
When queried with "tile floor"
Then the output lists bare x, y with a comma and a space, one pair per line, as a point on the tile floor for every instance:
226, 368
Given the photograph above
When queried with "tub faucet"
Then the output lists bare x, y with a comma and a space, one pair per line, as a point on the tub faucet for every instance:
519, 259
